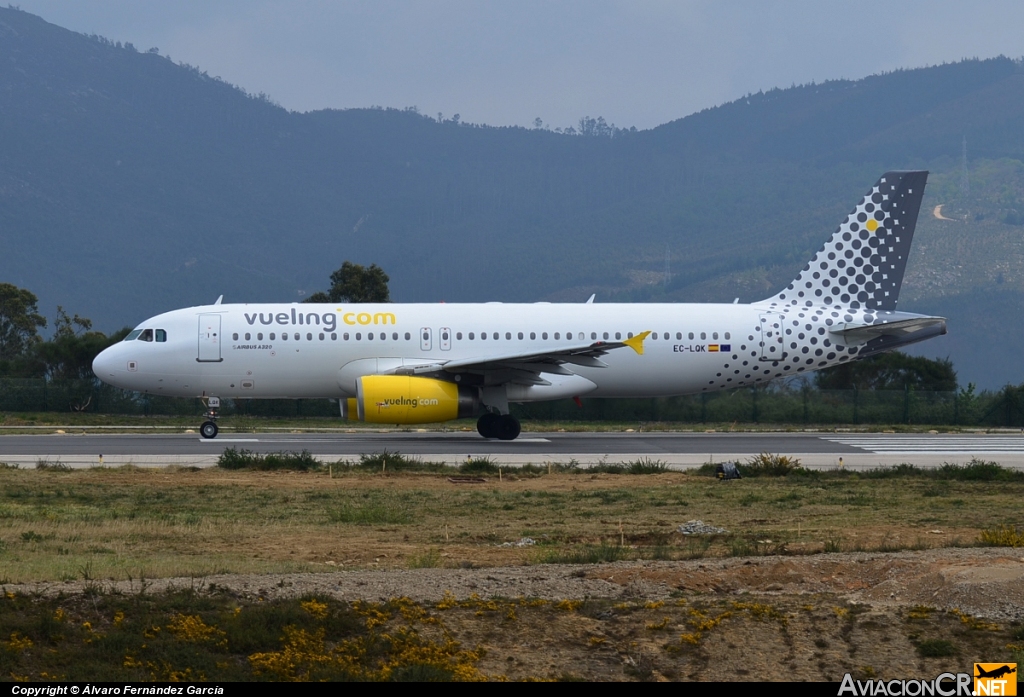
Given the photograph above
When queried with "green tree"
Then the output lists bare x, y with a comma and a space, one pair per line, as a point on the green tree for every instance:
892, 370
69, 354
20, 321
354, 283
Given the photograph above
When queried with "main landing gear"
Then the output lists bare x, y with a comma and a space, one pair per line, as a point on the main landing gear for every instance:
209, 428
500, 426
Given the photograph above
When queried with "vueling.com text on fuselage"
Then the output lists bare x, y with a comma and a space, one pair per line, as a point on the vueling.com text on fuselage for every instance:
328, 320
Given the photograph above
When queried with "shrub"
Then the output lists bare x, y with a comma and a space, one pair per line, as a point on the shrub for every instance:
645, 466
479, 465
246, 459
48, 466
395, 462
977, 471
936, 648
771, 465
588, 554
1003, 536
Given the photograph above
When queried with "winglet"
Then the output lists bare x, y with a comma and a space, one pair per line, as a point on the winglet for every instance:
637, 342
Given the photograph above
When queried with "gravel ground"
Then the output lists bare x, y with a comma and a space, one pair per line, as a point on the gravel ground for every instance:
984, 582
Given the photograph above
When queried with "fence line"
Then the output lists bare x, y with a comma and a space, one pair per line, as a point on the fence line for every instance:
774, 404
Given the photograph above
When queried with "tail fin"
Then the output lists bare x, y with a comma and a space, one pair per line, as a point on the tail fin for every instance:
862, 265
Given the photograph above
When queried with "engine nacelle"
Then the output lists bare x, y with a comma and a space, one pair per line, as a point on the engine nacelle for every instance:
404, 399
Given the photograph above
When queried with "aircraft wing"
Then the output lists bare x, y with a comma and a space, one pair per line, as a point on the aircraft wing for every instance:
525, 367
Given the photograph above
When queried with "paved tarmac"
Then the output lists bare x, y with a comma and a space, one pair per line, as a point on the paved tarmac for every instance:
679, 450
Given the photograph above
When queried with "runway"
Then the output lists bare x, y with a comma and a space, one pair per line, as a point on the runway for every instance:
679, 450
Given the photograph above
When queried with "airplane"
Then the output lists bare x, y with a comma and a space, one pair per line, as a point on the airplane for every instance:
429, 363
999, 672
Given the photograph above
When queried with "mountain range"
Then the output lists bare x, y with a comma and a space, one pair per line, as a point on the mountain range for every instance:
131, 185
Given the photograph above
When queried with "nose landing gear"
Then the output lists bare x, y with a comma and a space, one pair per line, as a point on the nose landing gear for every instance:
209, 428
500, 426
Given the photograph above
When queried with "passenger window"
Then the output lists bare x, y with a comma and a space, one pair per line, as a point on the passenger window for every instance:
284, 336
654, 335
715, 336
691, 336
147, 335
520, 336
248, 336
383, 336
703, 336
727, 337
134, 334
618, 335
272, 336
321, 336
495, 336
234, 337
630, 335
508, 335
556, 336
343, 336
259, 337
483, 335
544, 335
334, 336
679, 336
359, 336
593, 335
394, 336
369, 336
408, 336
471, 336
297, 336
161, 335
458, 335
605, 335
533, 336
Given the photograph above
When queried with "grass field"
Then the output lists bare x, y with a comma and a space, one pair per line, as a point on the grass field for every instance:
133, 523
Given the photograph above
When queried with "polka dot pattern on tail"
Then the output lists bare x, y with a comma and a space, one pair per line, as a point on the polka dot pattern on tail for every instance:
862, 264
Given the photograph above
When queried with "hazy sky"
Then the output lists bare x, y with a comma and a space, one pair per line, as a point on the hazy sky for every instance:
636, 63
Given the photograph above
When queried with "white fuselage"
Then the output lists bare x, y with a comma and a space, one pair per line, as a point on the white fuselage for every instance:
238, 351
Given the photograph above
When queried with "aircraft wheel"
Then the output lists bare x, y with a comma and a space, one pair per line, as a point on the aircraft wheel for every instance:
208, 429
508, 427
487, 425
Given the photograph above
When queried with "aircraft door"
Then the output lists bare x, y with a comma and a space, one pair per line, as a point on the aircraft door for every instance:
445, 338
209, 339
773, 347
425, 342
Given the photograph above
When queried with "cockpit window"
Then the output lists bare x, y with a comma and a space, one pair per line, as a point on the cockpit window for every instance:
133, 335
161, 335
146, 335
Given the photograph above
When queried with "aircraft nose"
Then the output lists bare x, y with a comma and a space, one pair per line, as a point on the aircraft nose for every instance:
103, 364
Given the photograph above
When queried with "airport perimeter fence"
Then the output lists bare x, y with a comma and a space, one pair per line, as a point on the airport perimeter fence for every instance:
781, 404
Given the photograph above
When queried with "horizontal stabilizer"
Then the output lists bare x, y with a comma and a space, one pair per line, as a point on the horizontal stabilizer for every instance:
853, 334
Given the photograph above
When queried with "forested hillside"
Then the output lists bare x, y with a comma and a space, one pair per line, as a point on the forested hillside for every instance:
130, 185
